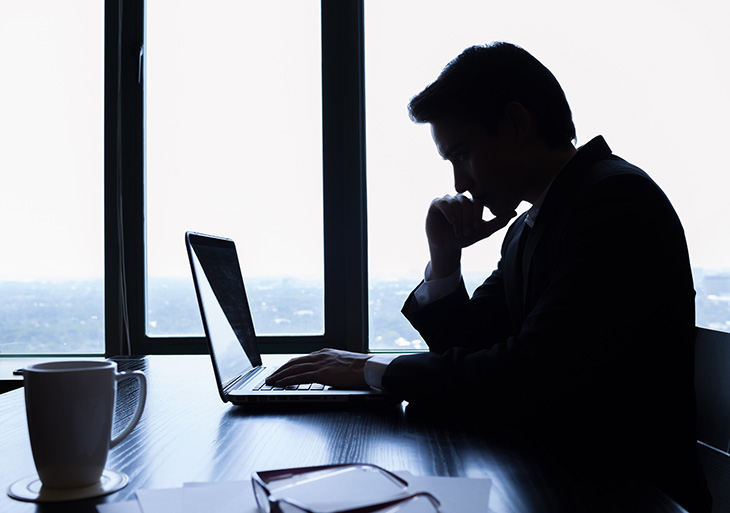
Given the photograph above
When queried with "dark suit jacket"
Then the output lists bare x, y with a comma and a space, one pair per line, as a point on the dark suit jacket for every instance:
590, 344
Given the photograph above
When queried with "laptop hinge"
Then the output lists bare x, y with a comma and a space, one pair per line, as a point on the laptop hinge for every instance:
239, 380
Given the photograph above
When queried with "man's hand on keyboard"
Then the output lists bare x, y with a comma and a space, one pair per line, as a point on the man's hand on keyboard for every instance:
340, 369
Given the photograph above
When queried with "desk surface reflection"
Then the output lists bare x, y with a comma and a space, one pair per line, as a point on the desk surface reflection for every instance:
188, 434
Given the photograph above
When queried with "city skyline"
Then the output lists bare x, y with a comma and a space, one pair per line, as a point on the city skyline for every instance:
68, 317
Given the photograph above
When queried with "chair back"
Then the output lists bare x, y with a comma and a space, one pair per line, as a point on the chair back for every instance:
712, 387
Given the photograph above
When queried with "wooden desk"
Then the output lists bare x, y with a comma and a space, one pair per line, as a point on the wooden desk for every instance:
188, 434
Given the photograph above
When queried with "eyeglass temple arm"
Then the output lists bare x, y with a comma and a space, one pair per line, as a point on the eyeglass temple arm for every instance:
273, 475
373, 508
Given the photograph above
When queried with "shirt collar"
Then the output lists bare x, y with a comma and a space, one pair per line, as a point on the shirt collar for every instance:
535, 209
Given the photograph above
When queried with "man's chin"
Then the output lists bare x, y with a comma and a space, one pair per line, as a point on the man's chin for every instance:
497, 209
502, 210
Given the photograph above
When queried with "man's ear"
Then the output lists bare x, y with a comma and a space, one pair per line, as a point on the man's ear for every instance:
517, 121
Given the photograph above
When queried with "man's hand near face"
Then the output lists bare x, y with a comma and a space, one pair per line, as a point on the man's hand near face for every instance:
454, 223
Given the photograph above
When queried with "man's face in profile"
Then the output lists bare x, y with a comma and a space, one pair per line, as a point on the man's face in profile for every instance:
483, 164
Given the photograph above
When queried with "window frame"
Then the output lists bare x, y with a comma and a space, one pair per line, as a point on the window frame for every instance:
344, 188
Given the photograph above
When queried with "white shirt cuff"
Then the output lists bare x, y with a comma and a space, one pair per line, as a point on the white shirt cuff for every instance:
433, 290
375, 368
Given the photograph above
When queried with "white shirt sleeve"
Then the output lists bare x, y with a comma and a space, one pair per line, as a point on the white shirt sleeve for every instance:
432, 290
375, 368
428, 292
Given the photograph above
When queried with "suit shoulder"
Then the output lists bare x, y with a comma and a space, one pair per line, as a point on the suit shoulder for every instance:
611, 185
616, 176
614, 167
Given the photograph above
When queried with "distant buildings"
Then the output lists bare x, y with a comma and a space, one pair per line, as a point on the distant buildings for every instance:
717, 285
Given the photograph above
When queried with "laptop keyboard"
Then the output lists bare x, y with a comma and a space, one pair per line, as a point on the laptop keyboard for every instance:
263, 387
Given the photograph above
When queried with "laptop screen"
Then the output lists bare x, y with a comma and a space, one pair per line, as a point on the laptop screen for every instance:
227, 317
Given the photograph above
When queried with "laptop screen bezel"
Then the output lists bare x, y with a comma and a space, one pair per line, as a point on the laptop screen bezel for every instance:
249, 348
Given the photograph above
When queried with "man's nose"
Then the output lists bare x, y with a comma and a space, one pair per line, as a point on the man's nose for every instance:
461, 180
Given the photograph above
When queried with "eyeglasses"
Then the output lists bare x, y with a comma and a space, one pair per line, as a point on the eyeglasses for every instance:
389, 486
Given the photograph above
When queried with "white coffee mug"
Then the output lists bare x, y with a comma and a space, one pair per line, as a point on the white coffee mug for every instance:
70, 411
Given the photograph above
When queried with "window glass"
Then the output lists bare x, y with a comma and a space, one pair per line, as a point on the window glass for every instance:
234, 149
651, 78
51, 184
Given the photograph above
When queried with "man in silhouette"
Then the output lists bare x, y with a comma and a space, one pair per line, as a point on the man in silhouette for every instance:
581, 341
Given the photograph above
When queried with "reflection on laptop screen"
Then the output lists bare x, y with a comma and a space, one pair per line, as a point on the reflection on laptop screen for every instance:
227, 315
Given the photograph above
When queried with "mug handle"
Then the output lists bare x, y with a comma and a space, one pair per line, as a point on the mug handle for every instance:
140, 404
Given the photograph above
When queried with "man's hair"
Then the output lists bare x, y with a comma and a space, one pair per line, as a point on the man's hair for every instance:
483, 80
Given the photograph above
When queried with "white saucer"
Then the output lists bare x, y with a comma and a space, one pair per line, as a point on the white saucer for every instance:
30, 489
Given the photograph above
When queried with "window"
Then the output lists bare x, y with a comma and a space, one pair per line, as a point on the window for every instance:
96, 260
223, 130
51, 191
653, 81
234, 148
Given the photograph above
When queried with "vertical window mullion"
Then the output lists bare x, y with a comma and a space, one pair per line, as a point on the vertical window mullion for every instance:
124, 180
344, 174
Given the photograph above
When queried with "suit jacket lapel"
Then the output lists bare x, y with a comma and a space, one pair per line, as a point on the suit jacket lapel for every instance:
517, 274
562, 189
530, 244
513, 275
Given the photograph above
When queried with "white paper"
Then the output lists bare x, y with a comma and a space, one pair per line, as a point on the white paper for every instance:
456, 494
119, 507
219, 497
160, 500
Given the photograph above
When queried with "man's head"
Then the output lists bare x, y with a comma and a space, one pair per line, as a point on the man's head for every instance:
478, 85
502, 120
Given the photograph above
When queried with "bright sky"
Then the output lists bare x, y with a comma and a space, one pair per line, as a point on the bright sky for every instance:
51, 139
651, 76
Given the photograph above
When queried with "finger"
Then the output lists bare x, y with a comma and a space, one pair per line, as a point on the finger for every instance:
461, 213
307, 358
307, 364
477, 213
294, 379
291, 375
458, 212
283, 368
292, 367
487, 228
471, 216
443, 205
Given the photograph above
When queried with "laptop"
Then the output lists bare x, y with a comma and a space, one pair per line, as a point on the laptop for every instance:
229, 333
